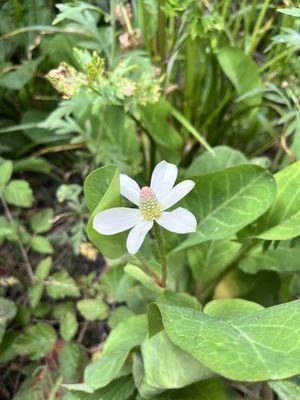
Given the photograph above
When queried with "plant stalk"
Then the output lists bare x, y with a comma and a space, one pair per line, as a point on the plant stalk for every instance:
161, 21
146, 268
162, 254
28, 266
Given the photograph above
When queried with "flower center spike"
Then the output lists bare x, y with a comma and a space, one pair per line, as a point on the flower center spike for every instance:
149, 205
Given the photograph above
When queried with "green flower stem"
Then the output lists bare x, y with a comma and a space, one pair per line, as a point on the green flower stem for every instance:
146, 268
162, 254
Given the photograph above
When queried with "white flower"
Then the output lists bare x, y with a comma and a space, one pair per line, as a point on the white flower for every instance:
152, 202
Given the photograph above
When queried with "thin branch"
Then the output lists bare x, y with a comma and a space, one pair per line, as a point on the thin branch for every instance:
28, 266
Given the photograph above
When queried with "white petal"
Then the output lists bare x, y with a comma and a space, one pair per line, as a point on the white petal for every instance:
130, 189
137, 235
115, 220
179, 220
163, 178
176, 194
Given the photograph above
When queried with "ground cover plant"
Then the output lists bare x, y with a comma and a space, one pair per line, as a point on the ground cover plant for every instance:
150, 200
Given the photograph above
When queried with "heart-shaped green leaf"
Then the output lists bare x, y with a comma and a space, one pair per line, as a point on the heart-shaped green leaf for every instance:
102, 191
282, 221
226, 201
258, 346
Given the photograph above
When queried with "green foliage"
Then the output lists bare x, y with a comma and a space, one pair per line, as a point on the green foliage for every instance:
36, 341
92, 91
226, 201
18, 193
102, 190
125, 336
92, 309
245, 339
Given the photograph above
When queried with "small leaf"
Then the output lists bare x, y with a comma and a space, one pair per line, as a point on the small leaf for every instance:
7, 351
41, 222
222, 158
15, 80
35, 293
243, 73
288, 389
18, 193
36, 341
41, 245
68, 326
282, 259
72, 360
179, 299
93, 309
6, 169
61, 285
138, 274
68, 192
34, 164
122, 339
294, 12
43, 268
7, 310
228, 308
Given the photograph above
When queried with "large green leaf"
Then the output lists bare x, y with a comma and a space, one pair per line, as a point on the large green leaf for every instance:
222, 158
122, 339
36, 341
155, 118
243, 73
209, 259
166, 366
262, 345
282, 259
102, 191
18, 193
226, 201
282, 221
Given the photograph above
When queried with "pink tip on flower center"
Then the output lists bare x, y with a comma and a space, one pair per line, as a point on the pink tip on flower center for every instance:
146, 192
149, 205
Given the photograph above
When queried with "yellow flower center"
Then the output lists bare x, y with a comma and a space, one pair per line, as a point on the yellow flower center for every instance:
149, 205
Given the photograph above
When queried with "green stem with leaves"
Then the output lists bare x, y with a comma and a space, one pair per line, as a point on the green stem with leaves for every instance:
162, 254
28, 267
161, 21
146, 268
